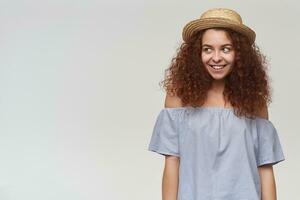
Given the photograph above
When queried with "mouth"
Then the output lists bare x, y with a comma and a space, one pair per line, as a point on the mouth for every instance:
217, 67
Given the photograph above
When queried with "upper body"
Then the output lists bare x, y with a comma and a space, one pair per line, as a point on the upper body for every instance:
171, 166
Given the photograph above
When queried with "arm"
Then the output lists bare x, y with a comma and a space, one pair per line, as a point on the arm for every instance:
172, 100
171, 170
268, 185
170, 178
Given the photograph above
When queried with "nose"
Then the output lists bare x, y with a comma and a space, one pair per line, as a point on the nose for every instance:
216, 57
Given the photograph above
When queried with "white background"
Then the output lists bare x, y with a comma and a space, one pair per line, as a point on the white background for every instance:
79, 92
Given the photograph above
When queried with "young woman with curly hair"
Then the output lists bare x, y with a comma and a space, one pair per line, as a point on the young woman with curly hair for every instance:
214, 131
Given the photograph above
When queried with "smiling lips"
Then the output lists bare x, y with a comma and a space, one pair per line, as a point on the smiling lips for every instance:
217, 67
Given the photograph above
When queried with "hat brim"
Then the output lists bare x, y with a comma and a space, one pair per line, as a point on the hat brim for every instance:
200, 24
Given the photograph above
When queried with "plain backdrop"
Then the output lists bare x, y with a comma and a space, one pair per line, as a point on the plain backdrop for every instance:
79, 92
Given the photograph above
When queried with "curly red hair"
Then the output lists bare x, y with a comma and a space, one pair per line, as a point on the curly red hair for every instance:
246, 86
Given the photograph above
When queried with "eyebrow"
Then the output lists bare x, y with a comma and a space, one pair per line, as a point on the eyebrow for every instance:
221, 46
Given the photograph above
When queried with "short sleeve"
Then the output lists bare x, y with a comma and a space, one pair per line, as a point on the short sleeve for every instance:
164, 139
269, 146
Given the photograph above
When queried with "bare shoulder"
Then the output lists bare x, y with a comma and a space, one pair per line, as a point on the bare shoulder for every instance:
172, 101
263, 112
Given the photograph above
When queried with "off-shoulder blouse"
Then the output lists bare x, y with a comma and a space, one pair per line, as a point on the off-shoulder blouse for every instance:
219, 152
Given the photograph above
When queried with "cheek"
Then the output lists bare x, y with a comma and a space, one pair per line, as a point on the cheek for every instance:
231, 58
204, 58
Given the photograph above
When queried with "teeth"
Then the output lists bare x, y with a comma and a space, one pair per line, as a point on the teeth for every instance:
217, 66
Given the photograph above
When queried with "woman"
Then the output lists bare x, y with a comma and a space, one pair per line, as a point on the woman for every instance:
214, 130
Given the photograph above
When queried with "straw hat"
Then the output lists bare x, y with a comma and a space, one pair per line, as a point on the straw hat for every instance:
218, 17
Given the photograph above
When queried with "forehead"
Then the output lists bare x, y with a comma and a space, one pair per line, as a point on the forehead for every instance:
216, 37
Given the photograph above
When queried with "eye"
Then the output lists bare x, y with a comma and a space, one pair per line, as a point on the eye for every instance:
226, 49
206, 50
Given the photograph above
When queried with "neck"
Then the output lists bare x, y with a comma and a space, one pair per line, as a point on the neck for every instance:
218, 86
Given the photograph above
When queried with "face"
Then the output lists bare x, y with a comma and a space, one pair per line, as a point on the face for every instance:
217, 53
